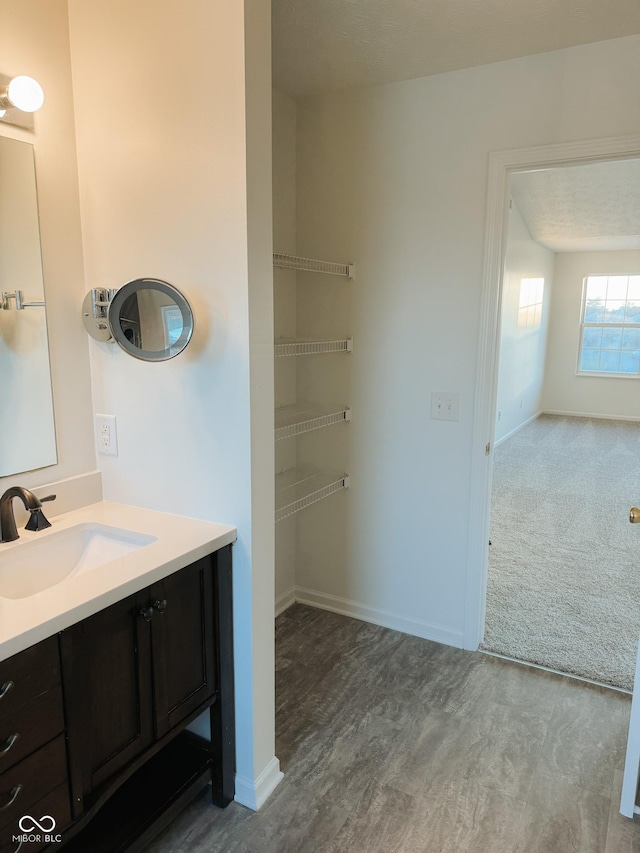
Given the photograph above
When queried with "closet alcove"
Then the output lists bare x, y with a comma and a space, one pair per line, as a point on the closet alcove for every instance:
314, 285
311, 382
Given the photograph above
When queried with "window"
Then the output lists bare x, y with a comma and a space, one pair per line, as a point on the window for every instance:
172, 324
610, 331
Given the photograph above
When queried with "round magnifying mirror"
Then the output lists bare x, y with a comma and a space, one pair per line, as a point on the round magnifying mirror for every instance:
150, 319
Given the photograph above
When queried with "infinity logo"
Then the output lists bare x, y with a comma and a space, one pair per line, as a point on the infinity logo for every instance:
28, 823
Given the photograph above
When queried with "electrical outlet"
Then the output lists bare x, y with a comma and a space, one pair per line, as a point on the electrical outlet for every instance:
445, 406
106, 435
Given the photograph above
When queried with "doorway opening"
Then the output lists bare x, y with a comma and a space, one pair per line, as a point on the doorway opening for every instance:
558, 576
561, 589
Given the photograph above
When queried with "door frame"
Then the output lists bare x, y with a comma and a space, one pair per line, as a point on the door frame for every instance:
501, 165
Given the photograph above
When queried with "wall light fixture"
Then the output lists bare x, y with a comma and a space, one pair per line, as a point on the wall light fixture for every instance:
20, 97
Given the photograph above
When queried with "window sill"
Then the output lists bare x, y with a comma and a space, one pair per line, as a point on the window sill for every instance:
607, 375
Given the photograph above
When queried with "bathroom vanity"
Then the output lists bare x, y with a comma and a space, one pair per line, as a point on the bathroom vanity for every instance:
95, 753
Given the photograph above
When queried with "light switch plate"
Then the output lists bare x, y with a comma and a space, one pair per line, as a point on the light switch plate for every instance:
445, 406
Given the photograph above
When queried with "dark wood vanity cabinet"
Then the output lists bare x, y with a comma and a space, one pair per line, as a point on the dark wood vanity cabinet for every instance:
131, 678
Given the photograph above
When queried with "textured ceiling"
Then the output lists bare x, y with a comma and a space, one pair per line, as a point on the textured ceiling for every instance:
320, 45
582, 208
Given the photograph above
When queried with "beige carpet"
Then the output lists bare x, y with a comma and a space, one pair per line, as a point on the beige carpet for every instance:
564, 564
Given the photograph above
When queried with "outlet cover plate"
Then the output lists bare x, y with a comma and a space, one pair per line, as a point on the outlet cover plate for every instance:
106, 435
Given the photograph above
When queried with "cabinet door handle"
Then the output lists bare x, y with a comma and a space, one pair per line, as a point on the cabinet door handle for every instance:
6, 687
160, 606
11, 741
15, 792
147, 613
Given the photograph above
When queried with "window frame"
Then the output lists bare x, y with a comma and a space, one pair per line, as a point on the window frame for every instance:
583, 307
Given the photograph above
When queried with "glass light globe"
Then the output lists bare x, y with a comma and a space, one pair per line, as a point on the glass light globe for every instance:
25, 94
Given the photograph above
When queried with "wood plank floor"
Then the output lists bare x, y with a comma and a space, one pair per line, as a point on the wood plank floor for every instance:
393, 744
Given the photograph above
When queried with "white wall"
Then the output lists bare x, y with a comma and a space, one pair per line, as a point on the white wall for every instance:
285, 319
523, 335
394, 178
34, 40
170, 121
564, 391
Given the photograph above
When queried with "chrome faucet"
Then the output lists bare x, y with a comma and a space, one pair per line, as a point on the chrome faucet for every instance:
37, 520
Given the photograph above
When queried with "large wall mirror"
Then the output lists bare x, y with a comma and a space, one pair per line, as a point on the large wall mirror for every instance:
26, 404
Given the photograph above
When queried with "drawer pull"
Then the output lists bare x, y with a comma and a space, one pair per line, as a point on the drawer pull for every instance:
6, 687
11, 741
15, 793
160, 606
147, 613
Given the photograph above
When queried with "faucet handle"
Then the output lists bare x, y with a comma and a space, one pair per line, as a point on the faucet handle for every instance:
37, 519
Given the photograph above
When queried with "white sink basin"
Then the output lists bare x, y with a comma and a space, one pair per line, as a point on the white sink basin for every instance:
30, 567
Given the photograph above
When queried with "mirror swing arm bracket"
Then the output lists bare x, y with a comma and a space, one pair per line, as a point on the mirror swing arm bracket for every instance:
95, 313
20, 304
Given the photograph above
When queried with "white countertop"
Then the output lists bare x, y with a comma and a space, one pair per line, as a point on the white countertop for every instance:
179, 541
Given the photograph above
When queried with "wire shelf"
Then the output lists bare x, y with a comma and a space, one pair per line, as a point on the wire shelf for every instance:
296, 490
285, 348
305, 417
292, 262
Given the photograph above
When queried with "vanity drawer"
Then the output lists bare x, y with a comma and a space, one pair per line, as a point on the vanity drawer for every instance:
35, 724
55, 804
30, 781
28, 674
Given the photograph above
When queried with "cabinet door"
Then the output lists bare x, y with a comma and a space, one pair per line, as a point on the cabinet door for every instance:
106, 678
182, 639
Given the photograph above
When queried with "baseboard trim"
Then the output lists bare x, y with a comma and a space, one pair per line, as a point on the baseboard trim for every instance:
377, 616
254, 793
588, 415
530, 420
285, 600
